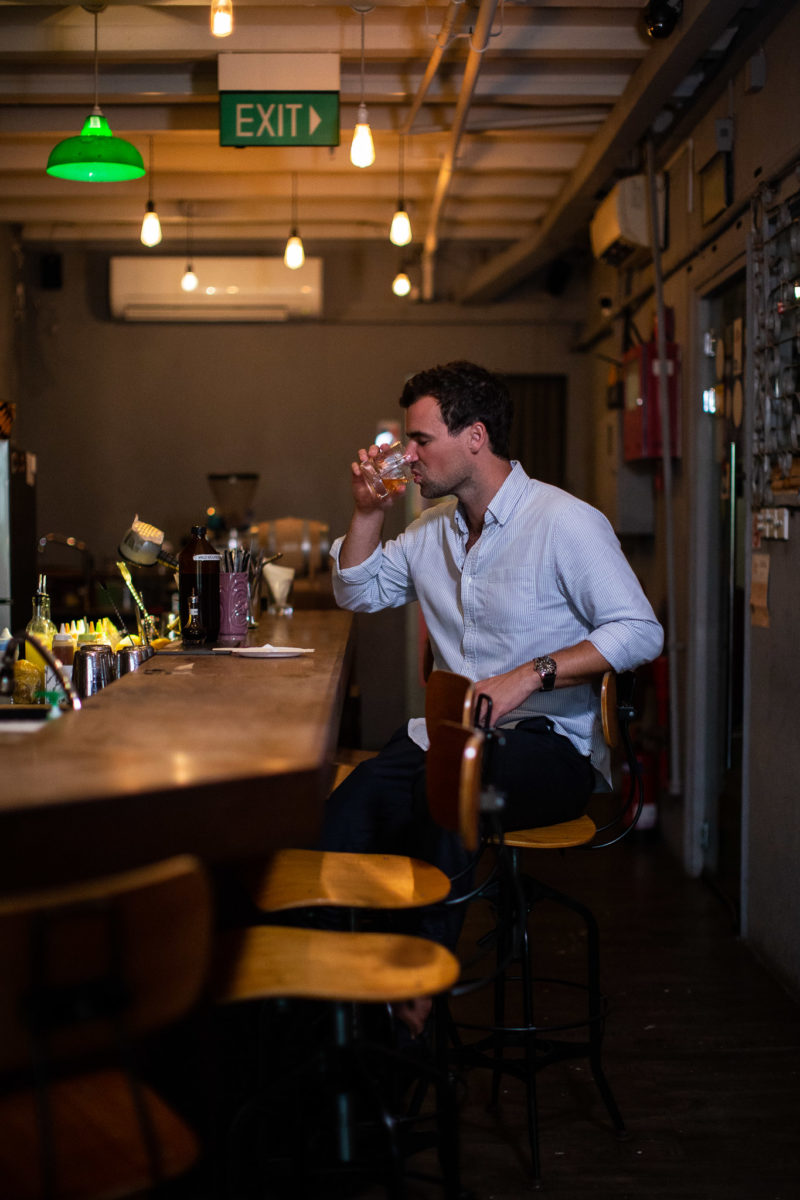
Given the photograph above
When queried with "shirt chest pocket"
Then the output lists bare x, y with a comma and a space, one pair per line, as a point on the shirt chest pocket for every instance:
507, 595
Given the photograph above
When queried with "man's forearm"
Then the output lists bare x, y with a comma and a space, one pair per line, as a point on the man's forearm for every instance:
362, 538
575, 664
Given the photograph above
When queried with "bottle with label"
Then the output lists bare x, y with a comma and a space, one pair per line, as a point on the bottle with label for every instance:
193, 633
64, 650
198, 571
41, 627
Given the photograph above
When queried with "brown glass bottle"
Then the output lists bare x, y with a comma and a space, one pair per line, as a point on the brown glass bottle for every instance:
198, 571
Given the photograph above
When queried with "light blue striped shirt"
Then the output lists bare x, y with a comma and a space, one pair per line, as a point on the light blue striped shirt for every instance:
546, 573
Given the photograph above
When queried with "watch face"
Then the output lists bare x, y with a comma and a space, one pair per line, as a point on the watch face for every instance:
546, 667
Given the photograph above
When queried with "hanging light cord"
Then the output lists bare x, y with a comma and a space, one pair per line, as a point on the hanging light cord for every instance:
150, 174
362, 52
401, 171
294, 203
96, 93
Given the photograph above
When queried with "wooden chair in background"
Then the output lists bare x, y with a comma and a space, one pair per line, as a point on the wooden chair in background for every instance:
87, 971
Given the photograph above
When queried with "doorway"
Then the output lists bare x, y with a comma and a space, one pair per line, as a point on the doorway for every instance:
539, 428
721, 557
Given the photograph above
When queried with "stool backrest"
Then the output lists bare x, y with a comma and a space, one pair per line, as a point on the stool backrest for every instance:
617, 712
82, 964
453, 770
448, 697
451, 697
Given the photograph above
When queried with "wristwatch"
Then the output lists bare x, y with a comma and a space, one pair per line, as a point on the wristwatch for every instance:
546, 668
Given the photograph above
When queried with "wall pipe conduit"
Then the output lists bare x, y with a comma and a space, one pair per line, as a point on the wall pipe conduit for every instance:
450, 24
675, 785
480, 39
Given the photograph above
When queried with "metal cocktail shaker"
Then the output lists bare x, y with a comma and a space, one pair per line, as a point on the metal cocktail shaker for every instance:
92, 668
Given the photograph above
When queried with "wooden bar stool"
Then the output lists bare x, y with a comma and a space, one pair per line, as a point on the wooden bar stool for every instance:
87, 970
346, 970
541, 1044
297, 879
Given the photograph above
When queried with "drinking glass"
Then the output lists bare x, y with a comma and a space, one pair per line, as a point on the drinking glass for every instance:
386, 474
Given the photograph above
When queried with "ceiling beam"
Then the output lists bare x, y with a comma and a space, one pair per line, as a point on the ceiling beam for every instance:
649, 89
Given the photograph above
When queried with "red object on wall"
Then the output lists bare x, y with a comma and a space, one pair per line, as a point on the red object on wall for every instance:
641, 418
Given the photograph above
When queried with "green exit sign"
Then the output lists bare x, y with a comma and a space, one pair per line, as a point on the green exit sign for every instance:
279, 119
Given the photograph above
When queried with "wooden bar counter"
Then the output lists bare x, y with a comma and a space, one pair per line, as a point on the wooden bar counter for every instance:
218, 755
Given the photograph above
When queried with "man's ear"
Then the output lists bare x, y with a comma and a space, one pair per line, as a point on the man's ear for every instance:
478, 437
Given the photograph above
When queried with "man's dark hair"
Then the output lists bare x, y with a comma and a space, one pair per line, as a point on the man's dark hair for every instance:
466, 393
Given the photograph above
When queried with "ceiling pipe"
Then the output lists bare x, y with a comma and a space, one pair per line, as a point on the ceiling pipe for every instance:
480, 38
450, 23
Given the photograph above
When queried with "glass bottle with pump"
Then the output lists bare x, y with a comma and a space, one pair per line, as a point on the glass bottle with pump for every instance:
198, 571
41, 627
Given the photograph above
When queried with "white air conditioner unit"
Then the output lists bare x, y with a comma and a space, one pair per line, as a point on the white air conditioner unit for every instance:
143, 288
621, 221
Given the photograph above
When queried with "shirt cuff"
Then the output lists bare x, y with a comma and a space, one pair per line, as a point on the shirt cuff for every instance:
418, 732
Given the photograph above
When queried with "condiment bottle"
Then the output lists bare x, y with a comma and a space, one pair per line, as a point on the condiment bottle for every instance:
198, 571
64, 650
41, 627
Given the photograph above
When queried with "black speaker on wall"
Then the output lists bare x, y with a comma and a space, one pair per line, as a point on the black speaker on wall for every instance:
557, 276
50, 272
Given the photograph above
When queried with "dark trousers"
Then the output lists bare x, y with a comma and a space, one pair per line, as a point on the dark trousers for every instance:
381, 806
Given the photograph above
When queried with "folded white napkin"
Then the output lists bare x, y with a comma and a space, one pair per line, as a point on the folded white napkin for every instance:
279, 581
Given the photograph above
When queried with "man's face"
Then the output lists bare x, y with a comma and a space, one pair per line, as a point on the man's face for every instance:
440, 461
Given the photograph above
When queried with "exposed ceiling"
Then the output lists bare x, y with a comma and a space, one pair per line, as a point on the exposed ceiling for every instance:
518, 117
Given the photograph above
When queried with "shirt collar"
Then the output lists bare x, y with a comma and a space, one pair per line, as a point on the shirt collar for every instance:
504, 501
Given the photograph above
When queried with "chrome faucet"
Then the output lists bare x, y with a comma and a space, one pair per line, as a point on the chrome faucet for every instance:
7, 668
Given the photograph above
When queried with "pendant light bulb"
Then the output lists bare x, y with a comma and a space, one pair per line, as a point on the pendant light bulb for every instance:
189, 281
401, 284
400, 232
362, 149
151, 226
221, 18
294, 255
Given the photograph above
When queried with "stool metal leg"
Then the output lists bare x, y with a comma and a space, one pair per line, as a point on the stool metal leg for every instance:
526, 972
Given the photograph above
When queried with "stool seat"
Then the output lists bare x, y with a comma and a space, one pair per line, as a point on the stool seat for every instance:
562, 836
308, 878
268, 961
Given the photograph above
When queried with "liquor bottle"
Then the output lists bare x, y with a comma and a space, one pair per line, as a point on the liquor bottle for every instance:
41, 627
198, 571
193, 633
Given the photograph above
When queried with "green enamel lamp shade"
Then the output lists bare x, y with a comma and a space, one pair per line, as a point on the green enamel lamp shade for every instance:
95, 155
